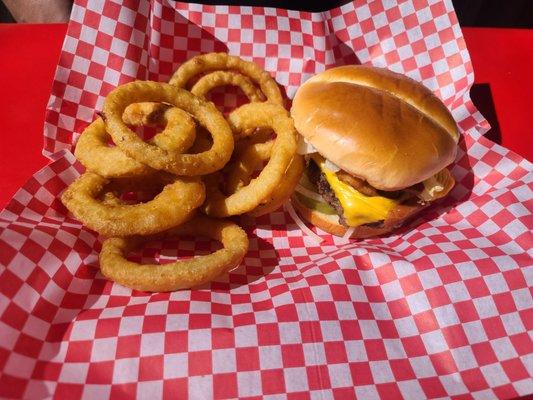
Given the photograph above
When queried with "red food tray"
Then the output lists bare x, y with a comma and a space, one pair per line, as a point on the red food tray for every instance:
442, 308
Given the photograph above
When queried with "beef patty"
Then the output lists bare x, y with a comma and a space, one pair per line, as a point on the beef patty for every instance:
319, 180
408, 205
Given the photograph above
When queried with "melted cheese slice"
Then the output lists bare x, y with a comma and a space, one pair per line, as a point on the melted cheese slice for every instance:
358, 208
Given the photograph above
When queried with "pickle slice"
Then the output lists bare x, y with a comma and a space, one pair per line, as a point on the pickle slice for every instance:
319, 206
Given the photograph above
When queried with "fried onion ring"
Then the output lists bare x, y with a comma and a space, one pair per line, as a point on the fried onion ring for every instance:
227, 78
240, 172
223, 61
180, 130
248, 116
181, 274
144, 113
175, 204
180, 164
202, 143
259, 135
285, 190
111, 162
137, 189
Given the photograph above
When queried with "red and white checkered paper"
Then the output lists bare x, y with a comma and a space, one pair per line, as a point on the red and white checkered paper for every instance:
441, 309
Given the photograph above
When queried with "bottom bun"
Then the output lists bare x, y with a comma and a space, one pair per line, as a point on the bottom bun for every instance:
331, 223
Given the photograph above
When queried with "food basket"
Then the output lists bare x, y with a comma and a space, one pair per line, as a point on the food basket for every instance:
441, 308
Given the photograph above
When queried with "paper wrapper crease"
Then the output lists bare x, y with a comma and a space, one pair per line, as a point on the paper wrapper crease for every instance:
441, 309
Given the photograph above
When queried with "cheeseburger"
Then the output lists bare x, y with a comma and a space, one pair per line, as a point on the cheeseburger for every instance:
377, 145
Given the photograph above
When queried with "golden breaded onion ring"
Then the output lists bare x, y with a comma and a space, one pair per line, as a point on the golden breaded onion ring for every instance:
142, 187
181, 274
180, 164
240, 171
227, 78
175, 204
180, 130
246, 117
285, 190
111, 162
144, 113
223, 61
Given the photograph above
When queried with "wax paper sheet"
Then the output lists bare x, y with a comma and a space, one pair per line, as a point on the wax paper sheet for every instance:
440, 309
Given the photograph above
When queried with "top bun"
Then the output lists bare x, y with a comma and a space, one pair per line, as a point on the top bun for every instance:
378, 125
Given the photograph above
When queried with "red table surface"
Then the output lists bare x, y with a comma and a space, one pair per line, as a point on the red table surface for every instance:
501, 57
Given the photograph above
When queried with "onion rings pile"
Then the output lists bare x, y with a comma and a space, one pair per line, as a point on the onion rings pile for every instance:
136, 190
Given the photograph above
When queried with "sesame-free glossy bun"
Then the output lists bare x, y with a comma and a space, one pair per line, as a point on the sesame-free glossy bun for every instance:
378, 125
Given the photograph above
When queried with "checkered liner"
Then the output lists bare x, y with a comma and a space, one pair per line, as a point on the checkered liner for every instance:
441, 309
